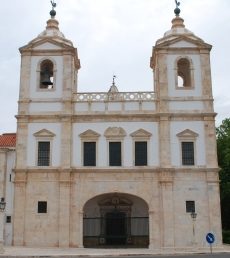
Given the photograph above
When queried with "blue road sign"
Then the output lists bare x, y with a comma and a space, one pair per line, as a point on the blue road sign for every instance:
210, 238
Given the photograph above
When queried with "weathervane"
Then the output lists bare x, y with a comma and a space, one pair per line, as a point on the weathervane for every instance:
177, 10
53, 12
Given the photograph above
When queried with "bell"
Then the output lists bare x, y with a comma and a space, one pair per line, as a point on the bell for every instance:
46, 78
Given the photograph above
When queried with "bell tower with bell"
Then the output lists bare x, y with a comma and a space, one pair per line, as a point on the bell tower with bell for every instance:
48, 81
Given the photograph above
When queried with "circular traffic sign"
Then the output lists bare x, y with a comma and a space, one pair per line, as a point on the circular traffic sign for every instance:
210, 238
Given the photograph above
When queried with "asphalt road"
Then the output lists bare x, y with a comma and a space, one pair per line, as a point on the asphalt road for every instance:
213, 255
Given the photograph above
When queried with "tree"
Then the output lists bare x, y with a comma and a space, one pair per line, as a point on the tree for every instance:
223, 152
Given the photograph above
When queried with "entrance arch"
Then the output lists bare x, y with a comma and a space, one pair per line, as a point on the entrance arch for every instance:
116, 219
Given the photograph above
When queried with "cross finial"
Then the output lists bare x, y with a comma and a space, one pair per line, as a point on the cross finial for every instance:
53, 12
114, 77
177, 10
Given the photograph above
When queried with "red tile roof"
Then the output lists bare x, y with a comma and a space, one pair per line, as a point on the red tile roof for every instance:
8, 140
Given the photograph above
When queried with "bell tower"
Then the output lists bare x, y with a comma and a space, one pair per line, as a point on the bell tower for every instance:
48, 81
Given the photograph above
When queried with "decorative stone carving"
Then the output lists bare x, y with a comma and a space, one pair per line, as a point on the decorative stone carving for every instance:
115, 132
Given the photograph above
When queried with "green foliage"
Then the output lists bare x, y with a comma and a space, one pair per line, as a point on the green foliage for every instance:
223, 151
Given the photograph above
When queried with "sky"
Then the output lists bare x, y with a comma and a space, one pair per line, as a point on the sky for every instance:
112, 37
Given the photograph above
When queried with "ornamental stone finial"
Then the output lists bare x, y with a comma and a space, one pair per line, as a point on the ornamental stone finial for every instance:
177, 9
53, 12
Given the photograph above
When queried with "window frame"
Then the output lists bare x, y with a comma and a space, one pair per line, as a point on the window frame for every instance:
89, 136
83, 153
177, 74
39, 141
115, 134
187, 136
121, 153
182, 153
44, 136
46, 211
134, 157
187, 206
38, 72
141, 135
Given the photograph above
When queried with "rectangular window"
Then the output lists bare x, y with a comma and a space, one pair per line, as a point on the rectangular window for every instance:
190, 206
43, 153
89, 154
115, 153
187, 153
140, 153
8, 219
42, 207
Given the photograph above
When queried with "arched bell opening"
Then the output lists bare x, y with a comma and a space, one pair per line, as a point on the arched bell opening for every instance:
116, 220
183, 73
46, 75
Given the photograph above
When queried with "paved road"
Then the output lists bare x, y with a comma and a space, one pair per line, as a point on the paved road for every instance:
219, 255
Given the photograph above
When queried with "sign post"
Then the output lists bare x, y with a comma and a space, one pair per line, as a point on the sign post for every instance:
210, 239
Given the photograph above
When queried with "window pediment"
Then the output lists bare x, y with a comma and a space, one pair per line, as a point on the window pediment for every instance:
187, 134
141, 133
115, 132
89, 134
44, 133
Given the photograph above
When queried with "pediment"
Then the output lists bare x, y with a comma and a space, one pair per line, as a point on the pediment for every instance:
141, 133
46, 44
89, 134
44, 133
183, 41
187, 134
115, 132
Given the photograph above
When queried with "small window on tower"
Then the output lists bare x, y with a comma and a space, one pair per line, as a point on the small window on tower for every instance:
183, 73
46, 75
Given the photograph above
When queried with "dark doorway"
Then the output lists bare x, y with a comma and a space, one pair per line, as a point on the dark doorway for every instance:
116, 228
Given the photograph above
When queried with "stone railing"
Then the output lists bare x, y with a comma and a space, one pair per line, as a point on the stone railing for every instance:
114, 96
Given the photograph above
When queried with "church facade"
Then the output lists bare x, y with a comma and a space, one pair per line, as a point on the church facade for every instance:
126, 169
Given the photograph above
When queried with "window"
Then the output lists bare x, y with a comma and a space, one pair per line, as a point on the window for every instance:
46, 75
89, 140
183, 72
42, 207
190, 206
115, 153
187, 140
187, 153
43, 153
8, 219
89, 154
141, 153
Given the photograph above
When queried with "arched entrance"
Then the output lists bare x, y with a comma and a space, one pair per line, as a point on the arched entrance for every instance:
116, 220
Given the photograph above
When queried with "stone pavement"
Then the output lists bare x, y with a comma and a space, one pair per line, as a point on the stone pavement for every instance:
29, 252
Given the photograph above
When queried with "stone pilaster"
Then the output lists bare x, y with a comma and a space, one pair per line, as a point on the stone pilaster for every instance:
21, 146
64, 209
19, 208
214, 206
167, 210
210, 141
164, 140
